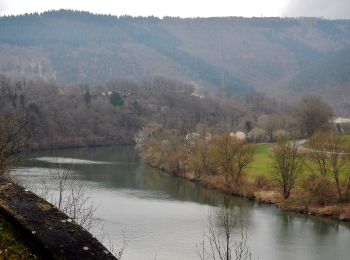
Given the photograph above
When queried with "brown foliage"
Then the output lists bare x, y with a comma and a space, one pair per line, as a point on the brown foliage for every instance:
200, 159
262, 183
231, 156
319, 189
328, 156
313, 115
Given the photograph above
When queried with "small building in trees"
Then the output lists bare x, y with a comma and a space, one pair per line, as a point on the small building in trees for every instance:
341, 125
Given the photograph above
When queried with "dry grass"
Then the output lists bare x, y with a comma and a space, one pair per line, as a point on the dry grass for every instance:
271, 197
297, 202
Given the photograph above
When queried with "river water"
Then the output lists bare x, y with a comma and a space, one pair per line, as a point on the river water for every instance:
162, 217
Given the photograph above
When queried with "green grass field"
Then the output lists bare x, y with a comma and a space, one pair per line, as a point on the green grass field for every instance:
346, 138
262, 163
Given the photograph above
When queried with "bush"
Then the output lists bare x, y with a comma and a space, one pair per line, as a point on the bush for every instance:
261, 182
257, 135
319, 189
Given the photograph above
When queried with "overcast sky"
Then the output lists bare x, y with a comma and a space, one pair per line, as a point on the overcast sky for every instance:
187, 8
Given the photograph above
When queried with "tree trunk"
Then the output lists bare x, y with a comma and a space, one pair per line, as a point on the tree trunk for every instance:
338, 188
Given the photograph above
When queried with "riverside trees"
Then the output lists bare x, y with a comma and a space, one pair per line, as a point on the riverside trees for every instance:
287, 165
324, 163
113, 112
231, 156
313, 114
221, 155
328, 156
14, 137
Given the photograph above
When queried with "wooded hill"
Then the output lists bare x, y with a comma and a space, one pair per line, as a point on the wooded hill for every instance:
235, 54
113, 112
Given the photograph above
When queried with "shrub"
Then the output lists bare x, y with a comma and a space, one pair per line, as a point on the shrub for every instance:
319, 189
262, 183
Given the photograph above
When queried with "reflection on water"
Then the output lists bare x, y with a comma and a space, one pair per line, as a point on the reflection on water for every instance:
164, 217
63, 160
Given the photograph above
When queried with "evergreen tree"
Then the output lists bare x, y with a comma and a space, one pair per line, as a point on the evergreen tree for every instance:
87, 96
116, 99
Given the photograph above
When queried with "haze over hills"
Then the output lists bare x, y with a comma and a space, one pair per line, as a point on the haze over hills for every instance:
233, 53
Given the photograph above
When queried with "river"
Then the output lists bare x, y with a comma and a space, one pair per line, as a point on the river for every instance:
162, 217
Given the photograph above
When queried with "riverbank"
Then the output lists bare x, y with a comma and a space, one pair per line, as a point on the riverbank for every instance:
201, 162
68, 143
52, 233
12, 246
296, 203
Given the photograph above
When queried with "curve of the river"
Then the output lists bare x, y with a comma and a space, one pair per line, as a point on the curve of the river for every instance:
163, 217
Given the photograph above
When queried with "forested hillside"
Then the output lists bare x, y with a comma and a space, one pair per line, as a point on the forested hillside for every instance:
332, 70
233, 54
113, 112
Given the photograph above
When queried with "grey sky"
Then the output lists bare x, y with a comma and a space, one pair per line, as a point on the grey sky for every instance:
334, 9
187, 8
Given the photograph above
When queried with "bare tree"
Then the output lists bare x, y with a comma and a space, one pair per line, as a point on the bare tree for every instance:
73, 197
74, 201
231, 156
118, 252
14, 137
77, 205
328, 155
317, 154
199, 158
287, 164
244, 156
61, 176
313, 114
338, 158
218, 242
271, 123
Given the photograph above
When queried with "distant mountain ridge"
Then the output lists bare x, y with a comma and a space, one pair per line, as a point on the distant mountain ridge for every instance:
332, 68
232, 53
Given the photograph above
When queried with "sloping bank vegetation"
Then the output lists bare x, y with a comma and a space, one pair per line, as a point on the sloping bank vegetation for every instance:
310, 177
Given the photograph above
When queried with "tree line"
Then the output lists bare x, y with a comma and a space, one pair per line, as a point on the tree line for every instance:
113, 112
311, 158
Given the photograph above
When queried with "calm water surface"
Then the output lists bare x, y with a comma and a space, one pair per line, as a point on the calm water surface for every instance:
164, 217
